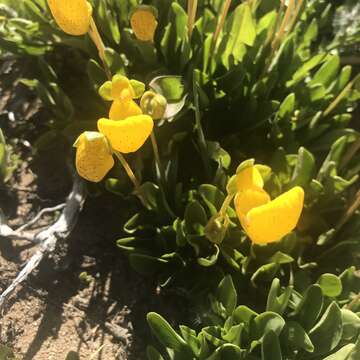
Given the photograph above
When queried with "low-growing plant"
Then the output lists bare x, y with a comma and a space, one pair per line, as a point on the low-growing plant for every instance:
298, 321
233, 124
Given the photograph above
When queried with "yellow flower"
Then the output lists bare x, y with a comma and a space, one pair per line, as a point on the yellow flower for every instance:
120, 110
72, 16
263, 220
143, 22
121, 88
93, 156
248, 178
266, 221
127, 135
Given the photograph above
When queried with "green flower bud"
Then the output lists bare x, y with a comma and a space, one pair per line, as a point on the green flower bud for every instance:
215, 229
153, 104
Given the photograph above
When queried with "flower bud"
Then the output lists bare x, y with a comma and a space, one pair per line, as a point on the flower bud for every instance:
93, 156
153, 104
72, 16
143, 22
215, 229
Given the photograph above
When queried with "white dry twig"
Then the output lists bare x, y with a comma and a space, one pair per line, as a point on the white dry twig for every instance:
47, 238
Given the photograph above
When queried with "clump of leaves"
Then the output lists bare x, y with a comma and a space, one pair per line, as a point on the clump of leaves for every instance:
297, 322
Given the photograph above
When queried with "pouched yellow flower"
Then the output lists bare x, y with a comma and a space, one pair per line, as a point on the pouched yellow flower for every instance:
248, 178
143, 23
266, 221
72, 16
127, 135
120, 110
93, 156
121, 88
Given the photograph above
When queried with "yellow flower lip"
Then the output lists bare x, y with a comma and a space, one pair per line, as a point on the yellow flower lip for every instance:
93, 156
266, 221
127, 135
143, 22
72, 16
120, 110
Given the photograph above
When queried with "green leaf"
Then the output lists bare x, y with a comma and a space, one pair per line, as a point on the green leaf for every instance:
96, 74
310, 307
330, 285
265, 322
297, 337
351, 324
286, 108
326, 334
226, 294
146, 264
218, 154
304, 70
304, 169
233, 335
270, 347
210, 259
191, 339
243, 314
165, 333
245, 25
342, 354
212, 196
227, 352
195, 217
355, 352
153, 354
173, 89
327, 73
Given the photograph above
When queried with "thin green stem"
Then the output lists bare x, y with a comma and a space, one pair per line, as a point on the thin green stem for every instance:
200, 132
157, 156
96, 38
161, 173
219, 27
131, 175
337, 100
192, 7
225, 205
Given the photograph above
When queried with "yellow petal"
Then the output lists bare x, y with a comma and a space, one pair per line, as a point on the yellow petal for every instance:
121, 88
272, 221
72, 16
120, 110
248, 178
127, 135
93, 156
143, 23
249, 199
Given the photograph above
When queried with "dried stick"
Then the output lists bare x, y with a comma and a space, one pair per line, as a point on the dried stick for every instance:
49, 237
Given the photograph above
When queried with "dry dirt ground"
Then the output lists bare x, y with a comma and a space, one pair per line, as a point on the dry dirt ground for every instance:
55, 312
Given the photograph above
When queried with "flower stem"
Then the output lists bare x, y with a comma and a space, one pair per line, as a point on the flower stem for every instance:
350, 211
192, 6
96, 38
201, 136
225, 205
131, 175
161, 173
157, 156
342, 94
